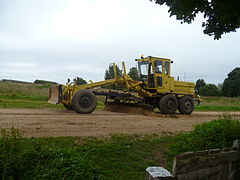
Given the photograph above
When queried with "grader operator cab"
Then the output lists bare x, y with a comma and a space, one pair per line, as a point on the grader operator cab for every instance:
155, 73
156, 88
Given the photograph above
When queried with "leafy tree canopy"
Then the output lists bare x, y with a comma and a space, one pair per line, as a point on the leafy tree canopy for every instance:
79, 81
231, 85
37, 81
199, 83
221, 16
209, 90
109, 73
133, 73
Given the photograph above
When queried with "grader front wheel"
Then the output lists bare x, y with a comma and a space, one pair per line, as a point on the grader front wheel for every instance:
84, 101
168, 104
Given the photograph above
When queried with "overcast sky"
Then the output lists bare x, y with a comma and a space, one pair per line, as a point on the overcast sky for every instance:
59, 39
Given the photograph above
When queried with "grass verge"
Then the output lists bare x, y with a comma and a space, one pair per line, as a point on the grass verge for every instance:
218, 104
36, 102
216, 108
119, 157
218, 133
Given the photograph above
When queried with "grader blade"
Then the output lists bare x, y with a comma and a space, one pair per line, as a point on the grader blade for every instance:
55, 95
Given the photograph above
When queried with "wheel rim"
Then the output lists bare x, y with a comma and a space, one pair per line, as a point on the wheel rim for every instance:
170, 104
187, 105
85, 102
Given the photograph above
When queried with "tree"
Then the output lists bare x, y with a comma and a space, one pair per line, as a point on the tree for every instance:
231, 85
109, 73
220, 85
133, 73
79, 81
199, 83
209, 90
222, 16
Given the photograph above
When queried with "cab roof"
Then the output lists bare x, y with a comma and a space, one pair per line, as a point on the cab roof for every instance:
151, 58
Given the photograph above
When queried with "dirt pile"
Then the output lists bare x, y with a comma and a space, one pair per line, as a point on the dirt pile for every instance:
130, 108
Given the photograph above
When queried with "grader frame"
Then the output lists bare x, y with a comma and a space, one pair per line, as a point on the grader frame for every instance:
156, 88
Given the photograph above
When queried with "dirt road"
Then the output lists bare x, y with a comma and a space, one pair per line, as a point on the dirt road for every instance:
42, 122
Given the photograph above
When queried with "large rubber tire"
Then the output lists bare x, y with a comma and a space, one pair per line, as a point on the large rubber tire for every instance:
186, 105
84, 101
67, 106
168, 104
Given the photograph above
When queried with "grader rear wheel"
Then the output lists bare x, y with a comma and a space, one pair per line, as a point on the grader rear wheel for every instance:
84, 102
186, 105
168, 104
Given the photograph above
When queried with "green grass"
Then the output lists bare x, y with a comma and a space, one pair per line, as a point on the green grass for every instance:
216, 108
21, 102
218, 133
224, 101
17, 95
20, 89
218, 104
118, 157
6, 103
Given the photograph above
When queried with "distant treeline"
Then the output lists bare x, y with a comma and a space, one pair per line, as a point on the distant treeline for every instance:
229, 88
16, 81
35, 82
44, 82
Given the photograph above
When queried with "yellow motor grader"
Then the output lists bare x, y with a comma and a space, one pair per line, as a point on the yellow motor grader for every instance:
156, 88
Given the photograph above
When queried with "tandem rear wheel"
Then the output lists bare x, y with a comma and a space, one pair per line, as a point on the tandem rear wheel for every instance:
84, 101
169, 104
186, 105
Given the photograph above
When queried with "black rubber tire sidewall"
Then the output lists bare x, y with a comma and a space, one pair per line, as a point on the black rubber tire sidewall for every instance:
182, 108
163, 104
85, 93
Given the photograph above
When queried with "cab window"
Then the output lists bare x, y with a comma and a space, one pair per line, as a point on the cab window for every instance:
143, 70
150, 68
158, 66
166, 68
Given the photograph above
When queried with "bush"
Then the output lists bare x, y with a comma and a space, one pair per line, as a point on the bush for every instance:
218, 133
30, 159
209, 90
45, 82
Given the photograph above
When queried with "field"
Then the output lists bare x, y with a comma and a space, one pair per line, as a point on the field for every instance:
219, 104
17, 95
45, 141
